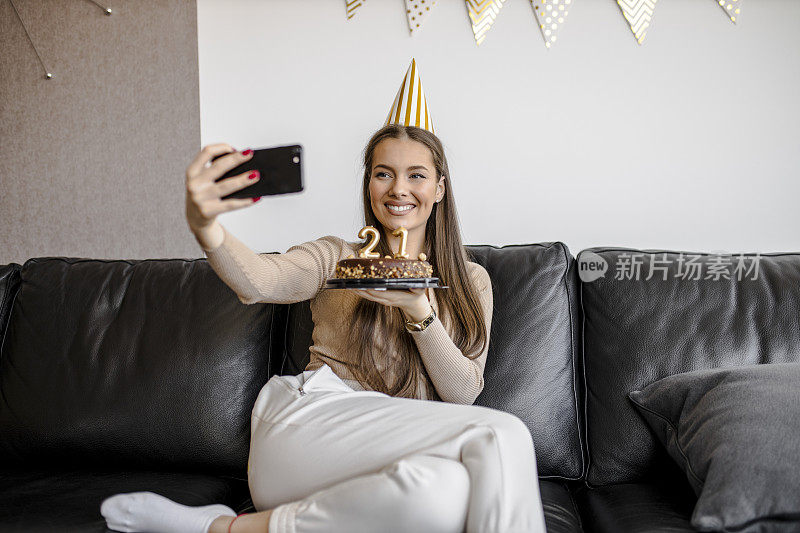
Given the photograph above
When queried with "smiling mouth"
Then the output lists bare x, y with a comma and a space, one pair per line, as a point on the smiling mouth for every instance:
400, 211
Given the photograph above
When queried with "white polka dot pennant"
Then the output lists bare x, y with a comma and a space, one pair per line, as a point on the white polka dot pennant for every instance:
482, 14
731, 7
417, 11
638, 13
550, 14
352, 6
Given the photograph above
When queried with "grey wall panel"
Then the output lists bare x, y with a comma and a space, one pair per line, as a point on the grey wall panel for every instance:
92, 162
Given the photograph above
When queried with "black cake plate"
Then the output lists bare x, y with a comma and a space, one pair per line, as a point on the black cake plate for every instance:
384, 283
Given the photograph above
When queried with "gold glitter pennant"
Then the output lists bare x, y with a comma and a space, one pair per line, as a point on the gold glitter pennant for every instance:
417, 11
352, 5
410, 107
550, 14
482, 14
638, 13
731, 7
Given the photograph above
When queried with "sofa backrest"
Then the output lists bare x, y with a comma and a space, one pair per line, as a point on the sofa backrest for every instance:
724, 311
140, 364
533, 360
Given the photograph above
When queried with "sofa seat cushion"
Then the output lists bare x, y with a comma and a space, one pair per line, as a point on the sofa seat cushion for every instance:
560, 512
636, 508
36, 500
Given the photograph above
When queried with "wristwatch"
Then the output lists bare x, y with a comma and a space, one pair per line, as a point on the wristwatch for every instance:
420, 326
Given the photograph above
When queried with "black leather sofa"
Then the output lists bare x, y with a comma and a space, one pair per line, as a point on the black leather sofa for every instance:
130, 375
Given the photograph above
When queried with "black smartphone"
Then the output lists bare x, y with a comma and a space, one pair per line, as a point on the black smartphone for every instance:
281, 169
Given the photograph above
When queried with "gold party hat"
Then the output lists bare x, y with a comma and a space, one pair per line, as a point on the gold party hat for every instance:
410, 107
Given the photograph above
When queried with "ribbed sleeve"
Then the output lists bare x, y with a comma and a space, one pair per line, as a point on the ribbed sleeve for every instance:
294, 276
457, 378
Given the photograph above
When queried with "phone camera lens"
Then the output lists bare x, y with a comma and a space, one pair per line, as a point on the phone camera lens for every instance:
295, 159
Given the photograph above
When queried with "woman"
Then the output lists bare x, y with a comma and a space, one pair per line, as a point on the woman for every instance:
357, 441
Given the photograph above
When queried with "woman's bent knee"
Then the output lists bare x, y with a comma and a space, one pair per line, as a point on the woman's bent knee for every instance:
510, 426
436, 490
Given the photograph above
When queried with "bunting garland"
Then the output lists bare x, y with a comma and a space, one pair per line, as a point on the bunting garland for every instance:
731, 7
550, 15
482, 14
417, 11
352, 5
638, 13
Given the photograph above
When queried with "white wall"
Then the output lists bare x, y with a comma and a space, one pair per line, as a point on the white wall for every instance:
688, 142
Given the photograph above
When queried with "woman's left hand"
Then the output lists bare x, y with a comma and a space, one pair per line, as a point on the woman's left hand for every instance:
413, 302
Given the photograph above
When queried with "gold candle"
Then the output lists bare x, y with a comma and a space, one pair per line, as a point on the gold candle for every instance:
403, 234
366, 252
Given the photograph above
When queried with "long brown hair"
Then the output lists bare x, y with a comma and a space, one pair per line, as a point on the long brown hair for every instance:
459, 306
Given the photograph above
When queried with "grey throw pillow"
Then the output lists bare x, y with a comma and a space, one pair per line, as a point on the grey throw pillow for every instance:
735, 432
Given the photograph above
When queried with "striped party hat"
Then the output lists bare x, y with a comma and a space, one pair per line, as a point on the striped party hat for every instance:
410, 107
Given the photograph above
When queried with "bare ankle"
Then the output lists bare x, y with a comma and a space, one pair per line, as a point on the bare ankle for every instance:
247, 522
220, 524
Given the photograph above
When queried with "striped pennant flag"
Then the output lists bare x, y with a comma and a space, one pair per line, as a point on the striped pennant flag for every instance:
638, 13
482, 14
410, 107
731, 7
352, 5
417, 11
550, 14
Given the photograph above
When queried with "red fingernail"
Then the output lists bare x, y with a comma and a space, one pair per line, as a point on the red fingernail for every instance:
247, 152
256, 199
254, 175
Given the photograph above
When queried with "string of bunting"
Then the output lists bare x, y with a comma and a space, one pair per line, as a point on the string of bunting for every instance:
550, 15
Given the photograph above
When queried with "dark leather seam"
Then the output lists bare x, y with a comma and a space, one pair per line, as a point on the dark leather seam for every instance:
585, 385
565, 281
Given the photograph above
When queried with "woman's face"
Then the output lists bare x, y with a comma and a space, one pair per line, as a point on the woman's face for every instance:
403, 174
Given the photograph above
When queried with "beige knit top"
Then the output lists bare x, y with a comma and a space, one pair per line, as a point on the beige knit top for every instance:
299, 275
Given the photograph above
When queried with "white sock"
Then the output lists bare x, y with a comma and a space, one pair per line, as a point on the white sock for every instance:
149, 512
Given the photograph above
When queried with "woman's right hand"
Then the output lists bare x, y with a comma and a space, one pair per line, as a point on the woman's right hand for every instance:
203, 195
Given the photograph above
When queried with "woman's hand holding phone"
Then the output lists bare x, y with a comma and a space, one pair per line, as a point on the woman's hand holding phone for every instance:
203, 194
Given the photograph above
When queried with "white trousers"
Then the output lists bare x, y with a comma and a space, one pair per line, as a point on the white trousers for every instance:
330, 459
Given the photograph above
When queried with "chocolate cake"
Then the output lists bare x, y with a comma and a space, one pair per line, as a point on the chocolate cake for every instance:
383, 267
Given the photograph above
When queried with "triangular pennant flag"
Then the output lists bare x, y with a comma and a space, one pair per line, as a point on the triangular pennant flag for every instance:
352, 5
638, 13
417, 11
410, 107
482, 14
731, 7
550, 14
